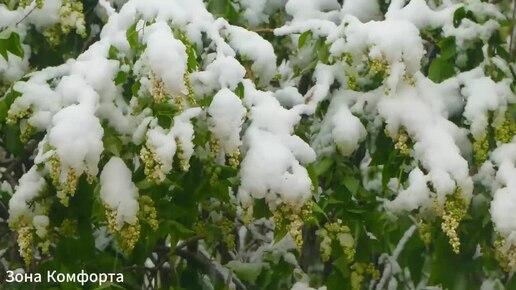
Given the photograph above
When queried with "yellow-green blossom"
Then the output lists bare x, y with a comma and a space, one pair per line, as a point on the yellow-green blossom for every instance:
455, 208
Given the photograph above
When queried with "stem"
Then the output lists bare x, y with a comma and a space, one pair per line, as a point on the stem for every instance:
263, 30
26, 15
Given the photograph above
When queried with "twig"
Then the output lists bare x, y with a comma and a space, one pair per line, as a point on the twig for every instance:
249, 72
26, 15
263, 30
188, 242
204, 263
387, 272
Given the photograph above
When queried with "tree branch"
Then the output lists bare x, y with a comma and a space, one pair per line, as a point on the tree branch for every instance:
4, 213
391, 260
207, 266
263, 30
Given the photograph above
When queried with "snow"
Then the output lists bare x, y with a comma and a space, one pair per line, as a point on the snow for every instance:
415, 195
6, 187
503, 205
469, 31
340, 128
76, 135
31, 184
272, 168
422, 16
102, 238
118, 192
163, 142
15, 67
434, 137
253, 47
393, 40
288, 97
183, 131
226, 118
38, 97
223, 72
484, 95
163, 145
303, 10
364, 10
257, 12
41, 223
167, 56
46, 16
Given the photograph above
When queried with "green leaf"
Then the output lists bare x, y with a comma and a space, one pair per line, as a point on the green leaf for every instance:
342, 264
11, 44
318, 209
351, 184
180, 227
217, 6
458, 15
113, 52
503, 53
357, 210
323, 166
113, 144
12, 139
261, 209
3, 110
313, 176
448, 48
303, 38
335, 281
239, 91
383, 147
132, 36
323, 52
121, 77
440, 70
280, 233
144, 184
192, 58
135, 88
223, 8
